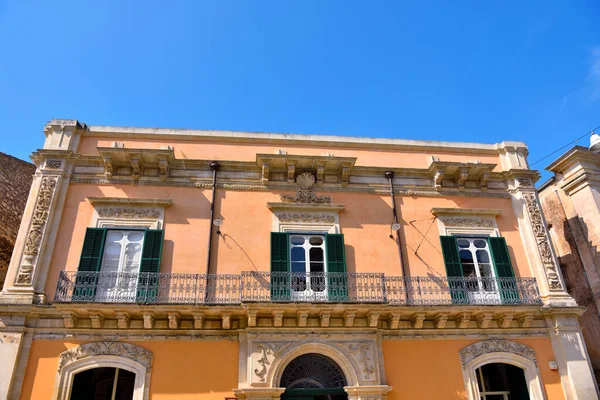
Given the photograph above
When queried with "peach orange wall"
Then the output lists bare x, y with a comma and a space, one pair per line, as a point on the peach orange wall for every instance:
181, 370
206, 150
430, 369
244, 243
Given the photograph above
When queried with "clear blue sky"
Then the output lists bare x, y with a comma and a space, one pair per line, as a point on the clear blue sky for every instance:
481, 71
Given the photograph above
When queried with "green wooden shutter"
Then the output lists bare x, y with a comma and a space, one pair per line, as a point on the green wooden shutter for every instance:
507, 284
89, 262
280, 266
337, 278
148, 279
454, 269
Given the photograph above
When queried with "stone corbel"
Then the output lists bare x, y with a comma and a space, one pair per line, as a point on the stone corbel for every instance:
122, 320
395, 320
418, 320
440, 321
97, 321
525, 320
252, 315
345, 173
173, 320
198, 320
325, 316
163, 167
226, 320
108, 166
265, 170
136, 166
70, 320
278, 319
291, 171
483, 321
505, 320
438, 178
462, 174
148, 320
320, 173
462, 321
349, 316
302, 319
373, 319
483, 181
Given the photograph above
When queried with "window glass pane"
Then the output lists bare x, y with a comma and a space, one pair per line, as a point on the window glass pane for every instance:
316, 254
468, 270
298, 267
133, 251
125, 385
463, 243
297, 240
466, 256
135, 236
298, 254
483, 256
480, 243
495, 378
485, 270
316, 240
112, 254
94, 384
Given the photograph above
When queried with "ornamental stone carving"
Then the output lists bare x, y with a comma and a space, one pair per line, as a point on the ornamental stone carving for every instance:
475, 350
361, 351
36, 231
524, 182
306, 217
541, 237
469, 222
121, 212
125, 350
9, 338
306, 193
53, 164
268, 352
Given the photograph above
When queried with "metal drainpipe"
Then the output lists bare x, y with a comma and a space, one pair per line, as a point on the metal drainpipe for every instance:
215, 167
390, 176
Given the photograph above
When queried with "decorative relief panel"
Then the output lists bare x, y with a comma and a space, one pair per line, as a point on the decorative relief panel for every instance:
126, 350
541, 237
120, 212
306, 193
306, 217
37, 230
468, 222
53, 164
475, 350
267, 354
361, 352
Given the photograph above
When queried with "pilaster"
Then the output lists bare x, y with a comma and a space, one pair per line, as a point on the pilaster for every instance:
571, 355
14, 352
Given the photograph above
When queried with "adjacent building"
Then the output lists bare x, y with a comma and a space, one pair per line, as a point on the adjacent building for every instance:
571, 202
15, 182
192, 264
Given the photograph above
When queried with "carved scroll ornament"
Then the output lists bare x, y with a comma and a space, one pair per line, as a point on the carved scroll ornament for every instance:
306, 193
475, 350
37, 229
541, 237
125, 350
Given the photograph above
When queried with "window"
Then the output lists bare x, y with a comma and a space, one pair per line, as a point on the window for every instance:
119, 265
500, 381
479, 270
308, 267
103, 384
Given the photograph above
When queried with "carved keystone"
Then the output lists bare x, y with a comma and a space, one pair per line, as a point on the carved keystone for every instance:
505, 320
462, 321
325, 316
198, 320
122, 320
440, 321
97, 321
70, 320
252, 319
173, 320
395, 320
484, 321
525, 321
418, 320
349, 318
277, 319
226, 320
302, 318
148, 321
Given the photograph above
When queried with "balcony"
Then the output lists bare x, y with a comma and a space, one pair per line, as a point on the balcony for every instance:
257, 287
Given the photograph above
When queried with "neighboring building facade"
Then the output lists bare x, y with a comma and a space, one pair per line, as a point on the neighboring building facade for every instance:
571, 202
15, 181
187, 264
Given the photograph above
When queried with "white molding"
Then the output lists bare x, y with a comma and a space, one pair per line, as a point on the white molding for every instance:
529, 367
112, 212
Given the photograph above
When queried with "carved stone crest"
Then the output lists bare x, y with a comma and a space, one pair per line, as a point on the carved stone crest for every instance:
37, 229
475, 350
539, 229
306, 193
126, 350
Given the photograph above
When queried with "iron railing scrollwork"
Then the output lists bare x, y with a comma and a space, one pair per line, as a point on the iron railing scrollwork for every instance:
251, 286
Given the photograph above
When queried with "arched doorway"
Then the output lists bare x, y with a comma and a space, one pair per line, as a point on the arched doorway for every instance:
500, 381
103, 384
313, 377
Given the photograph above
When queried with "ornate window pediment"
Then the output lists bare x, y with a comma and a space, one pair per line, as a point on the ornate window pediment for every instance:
467, 221
132, 212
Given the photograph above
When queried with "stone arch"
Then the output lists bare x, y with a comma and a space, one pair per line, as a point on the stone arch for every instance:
104, 354
279, 364
500, 351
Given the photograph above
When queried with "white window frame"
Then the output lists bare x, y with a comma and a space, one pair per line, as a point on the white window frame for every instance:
298, 295
116, 212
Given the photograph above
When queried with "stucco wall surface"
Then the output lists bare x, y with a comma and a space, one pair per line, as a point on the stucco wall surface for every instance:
431, 369
183, 370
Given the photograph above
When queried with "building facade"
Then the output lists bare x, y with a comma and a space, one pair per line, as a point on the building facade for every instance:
15, 181
186, 264
571, 202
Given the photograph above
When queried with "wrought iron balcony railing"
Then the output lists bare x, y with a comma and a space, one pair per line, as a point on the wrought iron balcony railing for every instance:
332, 287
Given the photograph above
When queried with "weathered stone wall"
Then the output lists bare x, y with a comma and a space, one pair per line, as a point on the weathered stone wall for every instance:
565, 233
15, 181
